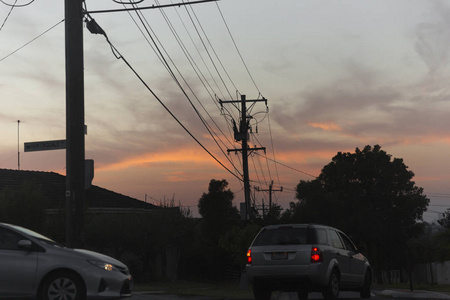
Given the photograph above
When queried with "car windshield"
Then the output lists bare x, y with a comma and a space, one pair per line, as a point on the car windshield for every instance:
282, 236
35, 235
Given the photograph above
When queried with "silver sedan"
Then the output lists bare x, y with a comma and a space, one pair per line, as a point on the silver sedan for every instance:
34, 266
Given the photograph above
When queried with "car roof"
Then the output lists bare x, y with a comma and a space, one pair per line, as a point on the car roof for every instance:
297, 225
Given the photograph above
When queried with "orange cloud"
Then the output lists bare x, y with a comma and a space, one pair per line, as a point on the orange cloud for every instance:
330, 126
304, 156
176, 156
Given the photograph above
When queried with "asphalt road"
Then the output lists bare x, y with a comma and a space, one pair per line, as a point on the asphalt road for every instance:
275, 296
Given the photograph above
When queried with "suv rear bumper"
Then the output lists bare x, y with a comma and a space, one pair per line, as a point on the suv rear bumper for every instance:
286, 276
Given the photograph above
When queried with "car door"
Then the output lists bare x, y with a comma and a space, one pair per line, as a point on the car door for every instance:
18, 266
341, 255
357, 262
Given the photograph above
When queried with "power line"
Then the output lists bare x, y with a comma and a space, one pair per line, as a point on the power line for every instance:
438, 195
32, 40
15, 3
208, 53
284, 165
118, 55
237, 49
9, 13
146, 7
212, 48
174, 77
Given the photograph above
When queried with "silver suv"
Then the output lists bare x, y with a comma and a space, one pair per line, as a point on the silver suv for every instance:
306, 258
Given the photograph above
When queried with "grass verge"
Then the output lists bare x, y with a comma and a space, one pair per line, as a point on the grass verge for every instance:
231, 290
439, 288
228, 290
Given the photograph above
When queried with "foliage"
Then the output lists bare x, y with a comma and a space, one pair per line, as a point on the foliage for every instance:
23, 207
236, 242
432, 245
216, 208
367, 195
270, 217
218, 217
143, 241
445, 221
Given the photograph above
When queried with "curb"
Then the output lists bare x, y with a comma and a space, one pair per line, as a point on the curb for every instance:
407, 295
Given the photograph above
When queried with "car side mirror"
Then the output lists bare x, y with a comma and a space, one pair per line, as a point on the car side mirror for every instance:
25, 244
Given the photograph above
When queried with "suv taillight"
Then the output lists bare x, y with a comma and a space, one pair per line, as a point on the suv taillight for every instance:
249, 256
316, 255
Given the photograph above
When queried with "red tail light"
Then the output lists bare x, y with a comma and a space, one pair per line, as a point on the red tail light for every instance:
249, 256
316, 255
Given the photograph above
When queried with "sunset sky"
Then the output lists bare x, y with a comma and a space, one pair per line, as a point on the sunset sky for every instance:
337, 74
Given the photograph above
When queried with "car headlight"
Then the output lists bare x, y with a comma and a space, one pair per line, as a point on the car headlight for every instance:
103, 265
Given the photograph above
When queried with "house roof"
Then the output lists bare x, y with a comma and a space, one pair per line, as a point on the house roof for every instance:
53, 187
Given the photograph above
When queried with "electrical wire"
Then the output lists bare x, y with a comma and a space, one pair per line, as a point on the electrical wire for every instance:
174, 77
207, 52
213, 134
118, 55
145, 7
212, 48
15, 3
9, 13
26, 44
194, 67
201, 76
289, 167
237, 49
206, 44
129, 2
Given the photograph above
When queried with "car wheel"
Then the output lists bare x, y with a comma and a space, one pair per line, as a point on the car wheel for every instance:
261, 292
302, 295
365, 291
332, 289
63, 286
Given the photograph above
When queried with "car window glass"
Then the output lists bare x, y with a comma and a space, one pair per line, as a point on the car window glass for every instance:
347, 242
9, 240
321, 236
337, 243
282, 236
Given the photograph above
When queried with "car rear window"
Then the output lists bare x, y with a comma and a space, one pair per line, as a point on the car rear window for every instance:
321, 236
283, 236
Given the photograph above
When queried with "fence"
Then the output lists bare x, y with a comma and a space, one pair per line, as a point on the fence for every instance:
431, 273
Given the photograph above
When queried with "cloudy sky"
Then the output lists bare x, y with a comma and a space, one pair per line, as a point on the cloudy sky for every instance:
337, 75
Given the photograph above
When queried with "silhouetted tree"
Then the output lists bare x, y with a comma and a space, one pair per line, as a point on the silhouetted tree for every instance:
236, 242
367, 195
217, 210
445, 221
218, 217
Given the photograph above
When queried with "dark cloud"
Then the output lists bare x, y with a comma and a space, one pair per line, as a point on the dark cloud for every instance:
433, 38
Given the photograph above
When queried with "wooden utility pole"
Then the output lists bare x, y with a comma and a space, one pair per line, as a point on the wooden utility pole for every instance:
75, 193
242, 135
75, 128
271, 191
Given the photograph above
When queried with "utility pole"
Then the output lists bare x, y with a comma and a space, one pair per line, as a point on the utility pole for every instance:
75, 128
242, 135
18, 145
75, 193
271, 191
